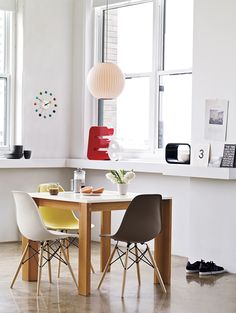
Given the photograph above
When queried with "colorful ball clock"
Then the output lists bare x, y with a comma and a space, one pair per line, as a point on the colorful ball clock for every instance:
45, 104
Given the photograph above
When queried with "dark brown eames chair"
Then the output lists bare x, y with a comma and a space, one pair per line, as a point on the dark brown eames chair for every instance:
142, 222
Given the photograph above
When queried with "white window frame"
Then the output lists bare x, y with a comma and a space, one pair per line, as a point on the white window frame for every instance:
157, 64
9, 75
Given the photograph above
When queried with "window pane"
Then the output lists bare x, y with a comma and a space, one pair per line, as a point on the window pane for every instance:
130, 37
178, 34
129, 114
3, 112
175, 109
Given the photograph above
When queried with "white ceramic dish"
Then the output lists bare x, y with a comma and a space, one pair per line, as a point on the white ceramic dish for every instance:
91, 194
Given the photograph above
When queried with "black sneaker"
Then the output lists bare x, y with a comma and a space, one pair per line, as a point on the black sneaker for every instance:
193, 268
210, 268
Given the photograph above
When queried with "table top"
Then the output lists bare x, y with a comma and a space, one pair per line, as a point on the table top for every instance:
106, 196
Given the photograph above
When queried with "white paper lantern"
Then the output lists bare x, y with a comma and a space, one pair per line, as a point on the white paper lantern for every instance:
105, 81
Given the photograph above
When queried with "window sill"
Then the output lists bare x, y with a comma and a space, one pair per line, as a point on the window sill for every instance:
150, 166
138, 165
32, 163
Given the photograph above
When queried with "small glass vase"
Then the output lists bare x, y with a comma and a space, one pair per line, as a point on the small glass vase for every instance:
122, 189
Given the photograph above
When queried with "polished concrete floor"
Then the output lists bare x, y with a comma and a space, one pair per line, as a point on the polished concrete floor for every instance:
187, 294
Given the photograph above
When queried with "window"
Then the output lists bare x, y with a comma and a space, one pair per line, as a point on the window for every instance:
6, 37
152, 44
175, 73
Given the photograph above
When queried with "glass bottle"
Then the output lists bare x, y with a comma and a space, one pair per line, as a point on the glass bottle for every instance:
79, 179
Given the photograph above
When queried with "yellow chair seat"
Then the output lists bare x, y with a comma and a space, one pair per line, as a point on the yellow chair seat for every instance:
58, 219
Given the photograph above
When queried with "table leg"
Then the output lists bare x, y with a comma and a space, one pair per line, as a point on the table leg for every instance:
84, 249
30, 268
162, 244
105, 248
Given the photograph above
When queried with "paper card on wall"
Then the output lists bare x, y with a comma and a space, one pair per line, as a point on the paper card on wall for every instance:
200, 154
216, 116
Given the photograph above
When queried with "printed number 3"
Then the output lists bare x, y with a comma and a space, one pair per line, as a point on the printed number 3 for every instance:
201, 154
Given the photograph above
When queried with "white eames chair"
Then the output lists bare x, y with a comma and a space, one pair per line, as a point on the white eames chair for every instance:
32, 227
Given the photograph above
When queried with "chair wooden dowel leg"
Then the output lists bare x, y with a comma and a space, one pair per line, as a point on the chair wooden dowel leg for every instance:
67, 244
107, 266
59, 265
92, 269
68, 263
40, 268
49, 265
125, 271
156, 270
20, 264
137, 264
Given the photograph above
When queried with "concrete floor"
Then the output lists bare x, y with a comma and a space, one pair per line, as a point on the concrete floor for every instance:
187, 294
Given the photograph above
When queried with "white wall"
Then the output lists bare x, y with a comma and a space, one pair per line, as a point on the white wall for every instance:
212, 211
203, 210
83, 107
214, 65
176, 187
212, 218
26, 180
47, 65
47, 32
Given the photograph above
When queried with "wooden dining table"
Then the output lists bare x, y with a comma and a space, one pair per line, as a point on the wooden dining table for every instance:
104, 203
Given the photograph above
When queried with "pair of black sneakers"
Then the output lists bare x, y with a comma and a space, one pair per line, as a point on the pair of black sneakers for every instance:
204, 268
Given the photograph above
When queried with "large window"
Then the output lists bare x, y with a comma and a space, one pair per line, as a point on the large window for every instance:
151, 41
6, 57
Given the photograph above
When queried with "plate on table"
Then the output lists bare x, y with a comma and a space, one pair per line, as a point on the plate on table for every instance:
91, 194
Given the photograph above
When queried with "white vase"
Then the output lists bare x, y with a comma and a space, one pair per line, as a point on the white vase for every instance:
122, 189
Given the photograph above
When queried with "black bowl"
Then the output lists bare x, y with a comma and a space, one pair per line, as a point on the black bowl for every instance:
13, 155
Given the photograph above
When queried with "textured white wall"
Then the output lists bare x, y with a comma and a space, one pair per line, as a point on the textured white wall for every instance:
214, 65
212, 203
47, 65
212, 218
26, 180
176, 187
47, 31
203, 210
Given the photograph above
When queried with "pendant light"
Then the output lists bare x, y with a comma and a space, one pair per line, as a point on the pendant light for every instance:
106, 80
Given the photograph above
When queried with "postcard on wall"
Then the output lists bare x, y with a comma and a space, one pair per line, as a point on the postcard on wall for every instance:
216, 117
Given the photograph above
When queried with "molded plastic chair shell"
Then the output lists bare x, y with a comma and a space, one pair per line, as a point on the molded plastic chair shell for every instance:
142, 221
54, 218
29, 220
58, 219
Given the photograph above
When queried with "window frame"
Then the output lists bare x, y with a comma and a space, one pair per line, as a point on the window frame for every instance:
9, 74
161, 72
159, 15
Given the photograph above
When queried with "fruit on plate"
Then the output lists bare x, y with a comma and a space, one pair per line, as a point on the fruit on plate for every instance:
98, 190
87, 189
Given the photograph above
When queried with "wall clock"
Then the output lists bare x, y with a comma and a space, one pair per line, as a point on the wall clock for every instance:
45, 104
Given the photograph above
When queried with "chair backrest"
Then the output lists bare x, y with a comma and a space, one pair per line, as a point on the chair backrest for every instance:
53, 217
142, 220
28, 219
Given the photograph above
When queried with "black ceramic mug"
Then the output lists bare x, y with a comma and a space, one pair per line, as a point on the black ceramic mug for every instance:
27, 154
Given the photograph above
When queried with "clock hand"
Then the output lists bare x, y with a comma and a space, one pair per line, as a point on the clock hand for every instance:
46, 103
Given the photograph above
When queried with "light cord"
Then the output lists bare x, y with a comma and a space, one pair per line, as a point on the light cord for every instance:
106, 31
